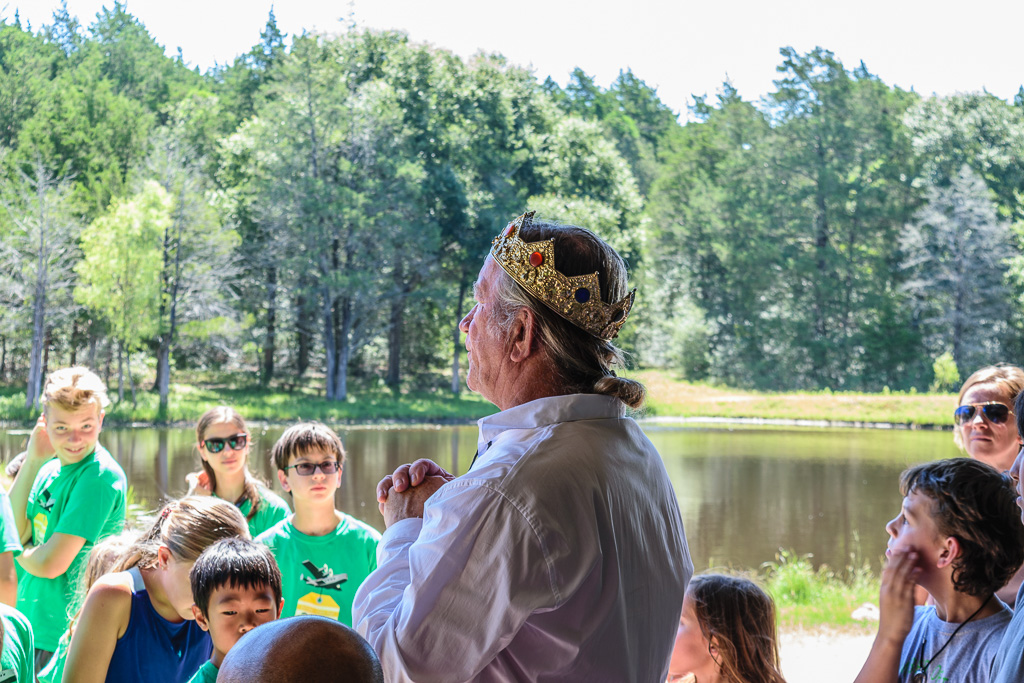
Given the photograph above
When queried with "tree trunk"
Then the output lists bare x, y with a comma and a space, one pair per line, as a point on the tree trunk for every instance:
303, 337
47, 343
35, 368
92, 351
3, 358
327, 315
393, 378
74, 343
106, 366
344, 351
131, 382
269, 342
120, 372
457, 339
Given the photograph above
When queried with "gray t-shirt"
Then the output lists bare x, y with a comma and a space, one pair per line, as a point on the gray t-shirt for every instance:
1008, 666
969, 656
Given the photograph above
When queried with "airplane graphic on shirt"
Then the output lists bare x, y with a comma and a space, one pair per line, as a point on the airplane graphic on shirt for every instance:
323, 577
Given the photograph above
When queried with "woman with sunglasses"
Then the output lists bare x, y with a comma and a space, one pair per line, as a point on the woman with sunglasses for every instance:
223, 442
986, 429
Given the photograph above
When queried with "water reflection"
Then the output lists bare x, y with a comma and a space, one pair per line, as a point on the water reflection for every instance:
744, 492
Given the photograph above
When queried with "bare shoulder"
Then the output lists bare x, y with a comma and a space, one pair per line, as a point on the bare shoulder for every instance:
111, 594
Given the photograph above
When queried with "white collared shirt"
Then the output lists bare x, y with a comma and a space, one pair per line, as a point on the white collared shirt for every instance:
560, 556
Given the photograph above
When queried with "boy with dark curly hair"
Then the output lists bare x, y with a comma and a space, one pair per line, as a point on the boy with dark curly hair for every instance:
960, 537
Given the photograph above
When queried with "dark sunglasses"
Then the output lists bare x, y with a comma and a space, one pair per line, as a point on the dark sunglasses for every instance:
996, 413
237, 443
307, 469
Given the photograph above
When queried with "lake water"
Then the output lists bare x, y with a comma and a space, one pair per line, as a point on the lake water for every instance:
745, 492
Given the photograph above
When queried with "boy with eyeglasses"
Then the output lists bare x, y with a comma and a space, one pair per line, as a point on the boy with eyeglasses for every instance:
324, 554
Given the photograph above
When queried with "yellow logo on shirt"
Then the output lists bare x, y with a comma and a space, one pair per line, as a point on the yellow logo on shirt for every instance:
39, 528
318, 605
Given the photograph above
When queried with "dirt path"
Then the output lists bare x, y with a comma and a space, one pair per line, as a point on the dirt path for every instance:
813, 657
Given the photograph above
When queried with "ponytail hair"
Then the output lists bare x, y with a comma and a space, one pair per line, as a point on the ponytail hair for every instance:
187, 527
221, 415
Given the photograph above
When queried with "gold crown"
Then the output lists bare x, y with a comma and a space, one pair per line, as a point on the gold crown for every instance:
576, 298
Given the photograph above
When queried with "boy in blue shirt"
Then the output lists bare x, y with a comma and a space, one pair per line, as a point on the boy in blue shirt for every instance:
960, 537
63, 505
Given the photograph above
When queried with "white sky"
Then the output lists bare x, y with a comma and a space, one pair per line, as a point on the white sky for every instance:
680, 47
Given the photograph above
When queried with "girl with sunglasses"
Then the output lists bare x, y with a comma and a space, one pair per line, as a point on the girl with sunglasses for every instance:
986, 429
223, 442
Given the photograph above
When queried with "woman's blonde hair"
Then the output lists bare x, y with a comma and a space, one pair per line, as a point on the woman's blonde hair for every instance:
737, 618
1007, 379
221, 415
186, 527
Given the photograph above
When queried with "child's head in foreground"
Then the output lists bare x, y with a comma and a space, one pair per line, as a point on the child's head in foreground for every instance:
236, 586
726, 633
308, 458
74, 400
960, 515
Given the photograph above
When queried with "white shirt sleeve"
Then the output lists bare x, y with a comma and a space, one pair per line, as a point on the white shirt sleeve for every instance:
448, 593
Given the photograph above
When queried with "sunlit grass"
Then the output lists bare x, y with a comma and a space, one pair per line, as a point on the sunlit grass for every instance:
188, 401
671, 397
806, 597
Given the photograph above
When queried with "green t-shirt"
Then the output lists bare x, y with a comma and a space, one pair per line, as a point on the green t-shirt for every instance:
272, 510
207, 673
9, 541
320, 574
85, 499
18, 653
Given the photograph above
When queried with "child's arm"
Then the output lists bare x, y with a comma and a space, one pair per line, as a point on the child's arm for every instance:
8, 579
896, 602
52, 558
103, 620
39, 451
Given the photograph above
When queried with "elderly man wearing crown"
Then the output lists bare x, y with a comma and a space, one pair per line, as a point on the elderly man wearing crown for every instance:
560, 555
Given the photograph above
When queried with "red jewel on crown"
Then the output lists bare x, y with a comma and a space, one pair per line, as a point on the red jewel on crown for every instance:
536, 259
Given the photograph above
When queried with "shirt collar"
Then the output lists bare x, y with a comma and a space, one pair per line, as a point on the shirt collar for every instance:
547, 411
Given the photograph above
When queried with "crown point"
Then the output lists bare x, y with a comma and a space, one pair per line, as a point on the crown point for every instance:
618, 315
582, 295
536, 259
509, 229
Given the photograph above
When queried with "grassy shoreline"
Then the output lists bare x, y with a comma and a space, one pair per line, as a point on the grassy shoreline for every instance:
668, 397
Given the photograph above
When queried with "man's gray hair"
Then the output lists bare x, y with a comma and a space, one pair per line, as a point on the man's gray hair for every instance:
583, 363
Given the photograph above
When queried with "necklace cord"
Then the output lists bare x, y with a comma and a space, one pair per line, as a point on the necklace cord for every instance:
923, 668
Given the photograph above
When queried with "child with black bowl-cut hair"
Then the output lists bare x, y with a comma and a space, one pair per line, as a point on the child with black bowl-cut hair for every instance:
236, 586
959, 536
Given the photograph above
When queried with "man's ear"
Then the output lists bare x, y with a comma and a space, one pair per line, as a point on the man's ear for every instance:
283, 478
200, 618
522, 335
950, 551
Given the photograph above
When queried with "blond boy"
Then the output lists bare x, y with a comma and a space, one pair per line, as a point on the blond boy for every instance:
69, 494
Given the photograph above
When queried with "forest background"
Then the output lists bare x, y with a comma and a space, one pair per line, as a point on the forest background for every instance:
313, 215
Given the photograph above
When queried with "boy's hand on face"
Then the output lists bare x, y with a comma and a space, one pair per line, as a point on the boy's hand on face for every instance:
409, 503
896, 598
39, 446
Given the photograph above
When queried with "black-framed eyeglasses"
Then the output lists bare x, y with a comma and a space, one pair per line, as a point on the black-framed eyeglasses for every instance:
307, 469
995, 412
236, 442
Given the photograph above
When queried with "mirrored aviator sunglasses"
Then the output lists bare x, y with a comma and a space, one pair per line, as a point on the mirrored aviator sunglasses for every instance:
996, 413
236, 442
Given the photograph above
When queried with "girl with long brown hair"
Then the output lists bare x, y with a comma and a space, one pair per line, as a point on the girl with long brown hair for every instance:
223, 442
727, 633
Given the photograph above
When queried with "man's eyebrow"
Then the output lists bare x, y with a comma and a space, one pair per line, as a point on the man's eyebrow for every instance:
476, 289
